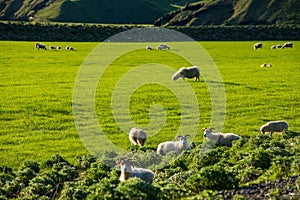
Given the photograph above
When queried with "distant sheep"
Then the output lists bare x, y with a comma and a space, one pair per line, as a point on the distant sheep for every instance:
40, 46
223, 139
257, 46
148, 48
163, 46
58, 47
171, 146
128, 170
51, 47
273, 47
287, 45
190, 72
278, 46
69, 48
137, 136
266, 65
274, 126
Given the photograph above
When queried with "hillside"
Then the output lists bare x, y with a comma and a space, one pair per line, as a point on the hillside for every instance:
87, 11
234, 12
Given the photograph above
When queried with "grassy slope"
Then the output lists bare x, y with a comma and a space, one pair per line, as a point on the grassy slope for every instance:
36, 95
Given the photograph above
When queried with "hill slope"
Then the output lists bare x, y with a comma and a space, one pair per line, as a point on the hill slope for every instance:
89, 11
234, 12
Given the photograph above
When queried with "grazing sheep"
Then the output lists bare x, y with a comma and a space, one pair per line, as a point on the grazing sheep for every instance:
69, 48
279, 46
274, 126
162, 46
58, 47
263, 65
269, 65
287, 45
128, 170
190, 72
177, 147
223, 139
40, 46
257, 46
273, 47
148, 48
137, 136
51, 47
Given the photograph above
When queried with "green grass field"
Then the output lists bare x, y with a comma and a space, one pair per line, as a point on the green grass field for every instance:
36, 95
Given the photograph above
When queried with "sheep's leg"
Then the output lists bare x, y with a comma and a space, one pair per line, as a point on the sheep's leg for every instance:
271, 134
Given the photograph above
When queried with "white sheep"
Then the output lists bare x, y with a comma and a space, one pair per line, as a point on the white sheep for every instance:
162, 46
273, 47
148, 48
279, 46
171, 146
287, 45
190, 72
40, 46
257, 46
274, 126
69, 48
263, 65
223, 139
128, 170
137, 136
51, 47
58, 47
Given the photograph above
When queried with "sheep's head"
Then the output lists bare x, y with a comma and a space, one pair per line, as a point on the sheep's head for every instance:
125, 164
207, 132
183, 140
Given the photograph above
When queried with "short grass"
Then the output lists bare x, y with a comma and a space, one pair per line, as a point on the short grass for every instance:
36, 95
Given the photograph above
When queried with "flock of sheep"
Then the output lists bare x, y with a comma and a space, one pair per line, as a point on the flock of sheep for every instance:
278, 46
52, 47
139, 137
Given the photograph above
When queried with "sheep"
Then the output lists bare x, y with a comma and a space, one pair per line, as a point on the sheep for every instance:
257, 46
278, 46
69, 48
274, 126
58, 47
223, 139
51, 47
190, 72
162, 46
40, 46
128, 170
273, 47
266, 65
148, 48
137, 136
177, 147
287, 45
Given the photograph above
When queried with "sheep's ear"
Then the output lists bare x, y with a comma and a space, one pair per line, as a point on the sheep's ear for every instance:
179, 136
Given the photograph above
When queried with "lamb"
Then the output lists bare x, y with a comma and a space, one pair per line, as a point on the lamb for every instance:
287, 45
223, 139
40, 46
190, 72
137, 136
51, 47
177, 147
257, 46
274, 126
128, 170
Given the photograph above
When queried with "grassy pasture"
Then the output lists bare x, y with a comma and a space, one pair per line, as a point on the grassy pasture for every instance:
36, 95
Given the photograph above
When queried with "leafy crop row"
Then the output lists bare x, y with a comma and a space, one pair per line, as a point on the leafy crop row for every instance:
195, 174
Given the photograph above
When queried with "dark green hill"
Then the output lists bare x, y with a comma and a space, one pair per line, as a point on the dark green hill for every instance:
234, 12
88, 11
